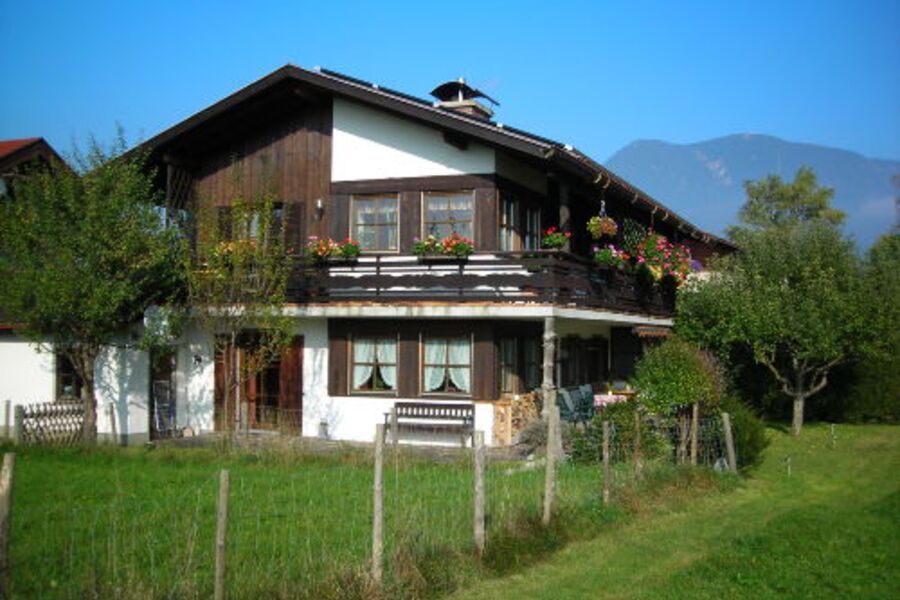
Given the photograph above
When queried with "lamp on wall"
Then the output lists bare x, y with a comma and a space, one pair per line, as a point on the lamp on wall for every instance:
320, 209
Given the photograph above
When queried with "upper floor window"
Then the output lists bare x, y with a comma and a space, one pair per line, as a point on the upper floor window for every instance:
448, 212
520, 226
374, 364
447, 365
374, 222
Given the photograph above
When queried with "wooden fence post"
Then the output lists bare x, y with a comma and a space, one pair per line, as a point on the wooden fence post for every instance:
637, 443
6, 488
478, 451
550, 479
111, 409
695, 433
378, 507
7, 420
607, 470
221, 534
729, 442
19, 425
244, 416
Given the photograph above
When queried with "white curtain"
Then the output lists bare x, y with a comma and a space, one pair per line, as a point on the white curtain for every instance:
363, 352
436, 358
459, 353
387, 353
364, 217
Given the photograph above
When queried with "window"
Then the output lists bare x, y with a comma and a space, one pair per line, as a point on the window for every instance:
373, 222
509, 372
509, 235
447, 365
68, 382
520, 226
532, 237
520, 364
374, 364
532, 359
446, 213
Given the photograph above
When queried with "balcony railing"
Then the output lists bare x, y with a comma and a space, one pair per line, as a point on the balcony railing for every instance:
544, 276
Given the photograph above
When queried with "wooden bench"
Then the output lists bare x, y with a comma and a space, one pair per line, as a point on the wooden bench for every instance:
430, 416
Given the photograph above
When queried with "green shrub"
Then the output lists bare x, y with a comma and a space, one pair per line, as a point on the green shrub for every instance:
676, 374
587, 444
749, 431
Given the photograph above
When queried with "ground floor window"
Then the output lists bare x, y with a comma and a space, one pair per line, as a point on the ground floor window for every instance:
68, 381
519, 360
374, 364
447, 365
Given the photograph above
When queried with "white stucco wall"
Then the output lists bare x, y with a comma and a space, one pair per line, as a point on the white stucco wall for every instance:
122, 379
27, 376
372, 144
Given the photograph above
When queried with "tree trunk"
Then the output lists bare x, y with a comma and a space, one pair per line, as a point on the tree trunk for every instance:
797, 422
799, 397
89, 401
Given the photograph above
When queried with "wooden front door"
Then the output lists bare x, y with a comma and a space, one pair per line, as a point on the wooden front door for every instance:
272, 398
274, 395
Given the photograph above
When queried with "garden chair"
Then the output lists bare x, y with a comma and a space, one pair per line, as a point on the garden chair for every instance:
586, 406
566, 406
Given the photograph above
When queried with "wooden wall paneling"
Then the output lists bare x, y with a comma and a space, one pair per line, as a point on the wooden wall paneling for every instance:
410, 218
486, 214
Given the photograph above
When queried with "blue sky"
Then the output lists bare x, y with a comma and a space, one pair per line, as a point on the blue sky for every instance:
597, 75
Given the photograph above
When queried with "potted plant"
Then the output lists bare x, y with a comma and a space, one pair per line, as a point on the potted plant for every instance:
454, 247
602, 226
325, 250
553, 238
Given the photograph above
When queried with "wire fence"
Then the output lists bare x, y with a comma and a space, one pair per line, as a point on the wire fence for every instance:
114, 523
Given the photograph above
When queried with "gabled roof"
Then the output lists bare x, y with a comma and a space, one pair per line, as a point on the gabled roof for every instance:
562, 156
7, 147
14, 153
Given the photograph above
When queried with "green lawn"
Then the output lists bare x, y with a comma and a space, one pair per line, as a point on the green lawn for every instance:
830, 530
137, 523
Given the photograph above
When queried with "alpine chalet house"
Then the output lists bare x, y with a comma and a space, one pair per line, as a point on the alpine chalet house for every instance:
472, 233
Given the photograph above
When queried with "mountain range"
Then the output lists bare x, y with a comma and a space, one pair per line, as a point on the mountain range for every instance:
704, 181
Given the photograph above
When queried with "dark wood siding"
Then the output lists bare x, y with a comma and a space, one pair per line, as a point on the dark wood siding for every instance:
289, 157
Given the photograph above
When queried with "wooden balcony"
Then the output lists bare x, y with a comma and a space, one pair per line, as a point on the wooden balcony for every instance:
544, 277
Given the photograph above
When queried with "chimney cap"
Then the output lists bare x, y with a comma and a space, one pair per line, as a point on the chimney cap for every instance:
455, 91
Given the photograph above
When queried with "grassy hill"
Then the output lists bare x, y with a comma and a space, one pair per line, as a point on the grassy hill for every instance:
829, 530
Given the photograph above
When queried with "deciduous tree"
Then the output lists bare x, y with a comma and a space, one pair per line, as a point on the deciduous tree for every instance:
83, 253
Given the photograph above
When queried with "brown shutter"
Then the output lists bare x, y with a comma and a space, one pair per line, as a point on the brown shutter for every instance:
338, 215
484, 363
408, 367
410, 218
290, 385
338, 349
486, 224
